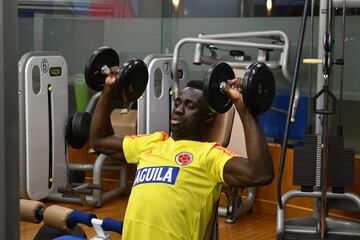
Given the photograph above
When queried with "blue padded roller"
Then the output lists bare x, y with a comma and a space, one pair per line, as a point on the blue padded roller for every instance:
80, 217
110, 224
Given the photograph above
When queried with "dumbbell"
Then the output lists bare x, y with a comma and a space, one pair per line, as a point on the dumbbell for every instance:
131, 77
78, 129
258, 87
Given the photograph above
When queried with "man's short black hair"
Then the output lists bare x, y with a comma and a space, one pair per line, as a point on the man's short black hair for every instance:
197, 84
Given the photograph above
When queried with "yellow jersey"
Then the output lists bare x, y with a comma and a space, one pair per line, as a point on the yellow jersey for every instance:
176, 185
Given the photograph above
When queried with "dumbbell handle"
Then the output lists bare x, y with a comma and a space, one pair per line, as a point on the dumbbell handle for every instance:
105, 70
223, 85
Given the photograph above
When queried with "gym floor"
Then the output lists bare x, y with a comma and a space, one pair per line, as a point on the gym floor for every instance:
252, 225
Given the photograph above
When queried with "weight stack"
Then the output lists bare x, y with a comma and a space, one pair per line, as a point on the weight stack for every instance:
341, 164
307, 163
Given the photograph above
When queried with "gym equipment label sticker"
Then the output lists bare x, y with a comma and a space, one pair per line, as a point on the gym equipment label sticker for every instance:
55, 71
44, 65
166, 67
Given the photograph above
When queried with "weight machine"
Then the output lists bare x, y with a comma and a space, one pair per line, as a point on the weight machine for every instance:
42, 91
323, 161
45, 131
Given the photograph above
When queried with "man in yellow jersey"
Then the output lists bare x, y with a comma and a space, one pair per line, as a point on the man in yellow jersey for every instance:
179, 177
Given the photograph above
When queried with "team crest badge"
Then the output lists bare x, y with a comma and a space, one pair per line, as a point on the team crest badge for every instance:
183, 158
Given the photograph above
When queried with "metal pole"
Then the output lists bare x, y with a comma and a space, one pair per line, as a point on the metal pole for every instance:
325, 133
324, 174
309, 130
9, 122
316, 213
340, 128
320, 75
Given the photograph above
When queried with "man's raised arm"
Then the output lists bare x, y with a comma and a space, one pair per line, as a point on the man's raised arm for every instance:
258, 168
102, 138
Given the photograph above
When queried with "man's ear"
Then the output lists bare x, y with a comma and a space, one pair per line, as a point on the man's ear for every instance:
210, 117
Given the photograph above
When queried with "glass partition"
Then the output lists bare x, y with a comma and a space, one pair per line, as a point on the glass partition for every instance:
136, 28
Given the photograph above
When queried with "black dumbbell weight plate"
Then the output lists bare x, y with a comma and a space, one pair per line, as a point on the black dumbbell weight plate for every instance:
258, 87
217, 100
77, 129
132, 80
81, 124
102, 56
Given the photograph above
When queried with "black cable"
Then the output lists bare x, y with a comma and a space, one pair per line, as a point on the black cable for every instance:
291, 101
